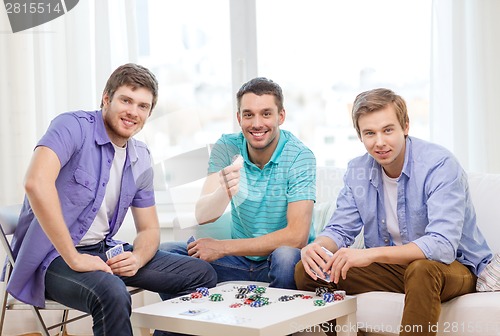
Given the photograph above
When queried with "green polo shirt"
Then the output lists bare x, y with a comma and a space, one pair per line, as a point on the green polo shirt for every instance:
260, 206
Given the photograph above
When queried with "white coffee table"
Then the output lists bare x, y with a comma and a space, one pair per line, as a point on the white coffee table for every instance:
277, 318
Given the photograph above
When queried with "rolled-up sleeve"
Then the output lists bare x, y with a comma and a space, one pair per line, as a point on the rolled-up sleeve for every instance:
446, 204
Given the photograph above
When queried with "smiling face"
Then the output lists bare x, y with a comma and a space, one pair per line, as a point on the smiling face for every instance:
126, 112
384, 139
260, 118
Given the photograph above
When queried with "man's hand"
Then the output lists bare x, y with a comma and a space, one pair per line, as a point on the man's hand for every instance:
315, 259
229, 178
124, 264
207, 249
86, 263
344, 259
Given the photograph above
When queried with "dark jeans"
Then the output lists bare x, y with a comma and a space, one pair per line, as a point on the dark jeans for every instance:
105, 295
277, 269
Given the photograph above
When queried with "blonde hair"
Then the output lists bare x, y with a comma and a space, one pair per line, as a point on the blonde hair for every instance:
375, 100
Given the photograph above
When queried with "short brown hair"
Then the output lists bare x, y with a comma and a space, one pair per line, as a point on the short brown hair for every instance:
375, 100
261, 86
135, 76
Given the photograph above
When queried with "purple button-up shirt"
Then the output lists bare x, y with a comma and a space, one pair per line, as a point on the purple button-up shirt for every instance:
86, 154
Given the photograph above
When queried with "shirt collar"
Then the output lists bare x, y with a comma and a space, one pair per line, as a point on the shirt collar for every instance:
376, 170
408, 156
276, 154
279, 148
101, 136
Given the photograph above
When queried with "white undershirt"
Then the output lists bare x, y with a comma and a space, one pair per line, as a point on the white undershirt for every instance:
391, 206
100, 227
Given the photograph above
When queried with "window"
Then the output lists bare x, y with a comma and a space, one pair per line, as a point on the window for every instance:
187, 45
323, 53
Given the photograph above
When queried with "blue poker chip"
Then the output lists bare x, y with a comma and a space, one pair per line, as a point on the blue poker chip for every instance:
203, 290
257, 304
328, 297
251, 287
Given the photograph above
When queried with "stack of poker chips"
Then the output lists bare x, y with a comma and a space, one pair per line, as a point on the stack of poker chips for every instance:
196, 295
251, 287
285, 298
216, 297
203, 291
319, 302
242, 293
339, 295
321, 290
261, 301
328, 297
257, 303
259, 290
235, 305
252, 295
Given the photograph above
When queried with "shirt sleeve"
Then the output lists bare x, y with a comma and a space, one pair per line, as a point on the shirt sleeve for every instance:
221, 155
302, 178
144, 197
446, 186
63, 136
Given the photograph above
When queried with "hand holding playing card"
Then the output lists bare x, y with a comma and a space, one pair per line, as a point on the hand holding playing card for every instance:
123, 263
229, 177
114, 251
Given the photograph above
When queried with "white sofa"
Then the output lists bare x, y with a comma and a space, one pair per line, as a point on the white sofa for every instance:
380, 312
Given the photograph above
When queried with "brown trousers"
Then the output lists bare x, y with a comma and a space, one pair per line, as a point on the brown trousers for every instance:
425, 283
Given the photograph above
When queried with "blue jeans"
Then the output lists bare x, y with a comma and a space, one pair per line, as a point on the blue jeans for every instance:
277, 269
105, 295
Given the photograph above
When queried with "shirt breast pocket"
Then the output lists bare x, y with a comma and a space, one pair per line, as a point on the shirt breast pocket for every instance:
82, 189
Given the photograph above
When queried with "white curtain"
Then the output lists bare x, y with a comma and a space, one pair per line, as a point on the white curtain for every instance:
465, 81
57, 67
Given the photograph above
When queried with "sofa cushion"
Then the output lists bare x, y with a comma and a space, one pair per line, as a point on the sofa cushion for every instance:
484, 190
489, 279
471, 314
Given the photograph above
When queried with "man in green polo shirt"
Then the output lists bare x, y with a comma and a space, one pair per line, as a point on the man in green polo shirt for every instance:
269, 177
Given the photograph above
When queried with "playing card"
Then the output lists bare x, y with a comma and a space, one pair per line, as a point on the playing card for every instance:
114, 251
237, 160
192, 312
326, 276
191, 239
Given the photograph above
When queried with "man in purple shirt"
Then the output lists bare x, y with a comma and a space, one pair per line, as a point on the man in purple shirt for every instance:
86, 171
420, 233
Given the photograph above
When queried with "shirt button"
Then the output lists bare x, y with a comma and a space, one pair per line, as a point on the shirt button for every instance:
383, 221
109, 160
81, 231
103, 184
94, 209
386, 240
